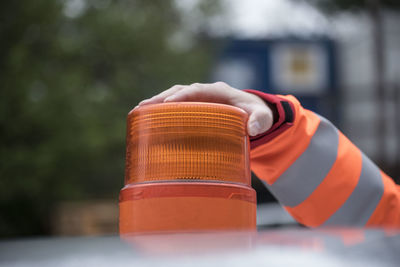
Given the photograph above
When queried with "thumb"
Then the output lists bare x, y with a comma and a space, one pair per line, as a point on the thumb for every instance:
260, 121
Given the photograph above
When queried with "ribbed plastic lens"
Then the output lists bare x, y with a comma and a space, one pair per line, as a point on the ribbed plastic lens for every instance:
187, 141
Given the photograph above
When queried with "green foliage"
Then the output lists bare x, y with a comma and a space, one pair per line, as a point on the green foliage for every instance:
67, 84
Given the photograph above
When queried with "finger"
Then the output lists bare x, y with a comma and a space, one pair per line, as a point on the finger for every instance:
260, 120
260, 114
161, 96
201, 92
188, 93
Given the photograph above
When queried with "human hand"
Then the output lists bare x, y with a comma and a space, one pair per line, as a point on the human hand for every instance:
260, 114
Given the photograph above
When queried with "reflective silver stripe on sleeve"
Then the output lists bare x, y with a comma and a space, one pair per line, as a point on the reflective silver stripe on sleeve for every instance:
362, 202
310, 168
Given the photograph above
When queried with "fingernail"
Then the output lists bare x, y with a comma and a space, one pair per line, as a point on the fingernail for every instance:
255, 128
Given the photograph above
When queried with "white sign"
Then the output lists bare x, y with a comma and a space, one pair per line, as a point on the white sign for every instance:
299, 68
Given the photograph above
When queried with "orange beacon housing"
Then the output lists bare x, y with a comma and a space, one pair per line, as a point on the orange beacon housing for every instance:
187, 169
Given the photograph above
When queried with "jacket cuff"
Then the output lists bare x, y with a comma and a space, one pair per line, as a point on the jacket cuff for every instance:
283, 117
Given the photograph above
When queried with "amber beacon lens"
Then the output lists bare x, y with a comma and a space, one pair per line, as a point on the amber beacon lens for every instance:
187, 168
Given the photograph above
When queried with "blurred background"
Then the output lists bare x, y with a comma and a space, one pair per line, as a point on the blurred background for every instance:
71, 70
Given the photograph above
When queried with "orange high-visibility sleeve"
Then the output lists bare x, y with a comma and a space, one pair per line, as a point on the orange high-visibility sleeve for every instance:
388, 210
317, 174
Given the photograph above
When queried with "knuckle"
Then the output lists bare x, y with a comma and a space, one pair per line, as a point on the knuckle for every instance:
196, 85
176, 86
220, 83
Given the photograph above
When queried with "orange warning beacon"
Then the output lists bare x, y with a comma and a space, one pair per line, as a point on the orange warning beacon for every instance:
187, 169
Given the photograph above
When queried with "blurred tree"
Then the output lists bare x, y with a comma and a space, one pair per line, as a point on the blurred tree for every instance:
70, 70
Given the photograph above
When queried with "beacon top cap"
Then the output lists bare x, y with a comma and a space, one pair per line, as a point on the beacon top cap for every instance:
187, 141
